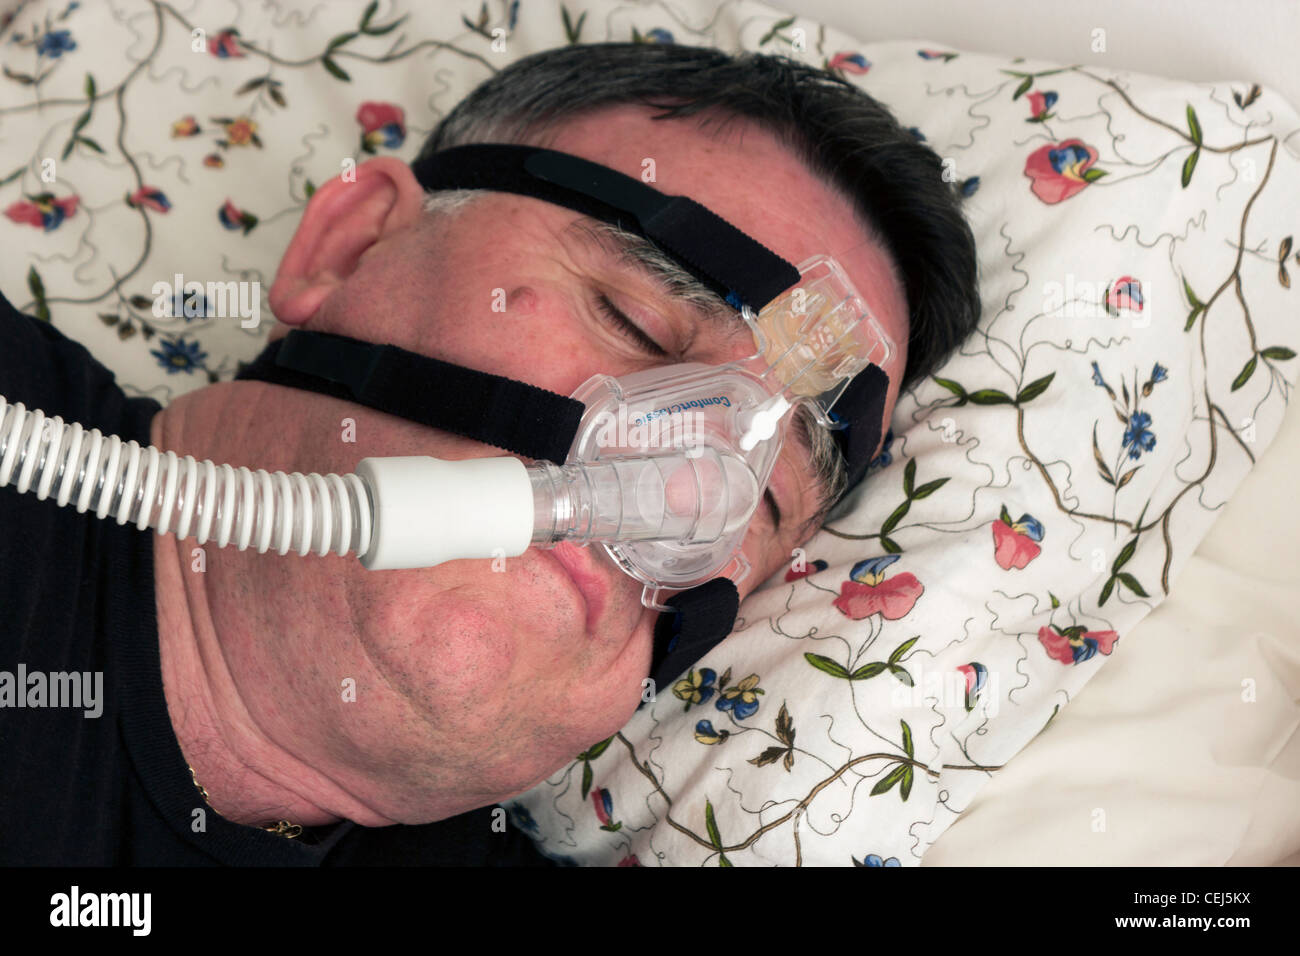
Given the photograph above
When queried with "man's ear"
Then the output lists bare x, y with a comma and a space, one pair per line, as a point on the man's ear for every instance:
343, 219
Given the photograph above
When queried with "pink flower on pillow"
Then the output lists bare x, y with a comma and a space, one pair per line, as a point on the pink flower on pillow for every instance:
1015, 543
1059, 171
150, 197
43, 210
382, 124
1075, 644
850, 63
1124, 293
1040, 105
869, 593
225, 44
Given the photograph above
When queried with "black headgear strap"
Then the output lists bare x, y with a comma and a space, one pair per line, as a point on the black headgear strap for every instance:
731, 263
521, 418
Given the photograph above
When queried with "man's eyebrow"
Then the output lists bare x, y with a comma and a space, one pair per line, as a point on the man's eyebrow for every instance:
657, 266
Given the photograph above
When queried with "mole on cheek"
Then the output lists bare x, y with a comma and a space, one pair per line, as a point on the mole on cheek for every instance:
521, 299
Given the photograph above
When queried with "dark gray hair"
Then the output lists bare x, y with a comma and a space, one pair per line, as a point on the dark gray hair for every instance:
843, 135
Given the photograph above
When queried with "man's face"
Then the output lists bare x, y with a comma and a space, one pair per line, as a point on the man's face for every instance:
499, 676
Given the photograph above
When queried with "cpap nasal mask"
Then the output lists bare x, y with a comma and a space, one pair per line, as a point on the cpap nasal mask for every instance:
664, 467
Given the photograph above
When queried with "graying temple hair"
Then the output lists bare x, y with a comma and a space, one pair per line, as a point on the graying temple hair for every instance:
824, 455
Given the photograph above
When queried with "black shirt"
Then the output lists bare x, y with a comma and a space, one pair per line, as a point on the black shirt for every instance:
77, 596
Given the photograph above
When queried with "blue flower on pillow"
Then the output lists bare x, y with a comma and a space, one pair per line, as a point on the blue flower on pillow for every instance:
56, 43
696, 687
705, 733
872, 859
741, 699
179, 356
1158, 374
1138, 437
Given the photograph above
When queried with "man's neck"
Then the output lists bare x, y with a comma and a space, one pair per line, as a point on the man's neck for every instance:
248, 778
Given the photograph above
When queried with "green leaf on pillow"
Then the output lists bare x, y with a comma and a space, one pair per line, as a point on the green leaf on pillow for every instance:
1246, 372
1034, 389
586, 779
369, 12
905, 790
903, 676
1094, 174
892, 521
1278, 352
1189, 164
572, 31
37, 288
387, 28
990, 396
334, 69
827, 665
1193, 126
1191, 296
893, 777
776, 28
868, 671
1023, 88
907, 738
1124, 555
899, 651
909, 476
1131, 583
711, 825
1105, 592
929, 488
890, 545
951, 386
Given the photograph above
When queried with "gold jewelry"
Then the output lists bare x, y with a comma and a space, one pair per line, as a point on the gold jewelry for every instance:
280, 827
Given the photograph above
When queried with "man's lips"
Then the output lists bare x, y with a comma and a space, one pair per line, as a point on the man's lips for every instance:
591, 581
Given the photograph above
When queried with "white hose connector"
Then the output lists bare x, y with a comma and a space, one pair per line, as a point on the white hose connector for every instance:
158, 490
428, 511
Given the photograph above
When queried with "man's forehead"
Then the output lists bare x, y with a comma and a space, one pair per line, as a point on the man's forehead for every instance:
738, 170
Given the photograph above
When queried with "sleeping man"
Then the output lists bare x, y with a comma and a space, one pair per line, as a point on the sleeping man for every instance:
292, 710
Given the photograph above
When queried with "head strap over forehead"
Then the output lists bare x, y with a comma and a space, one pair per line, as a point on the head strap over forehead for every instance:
735, 266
